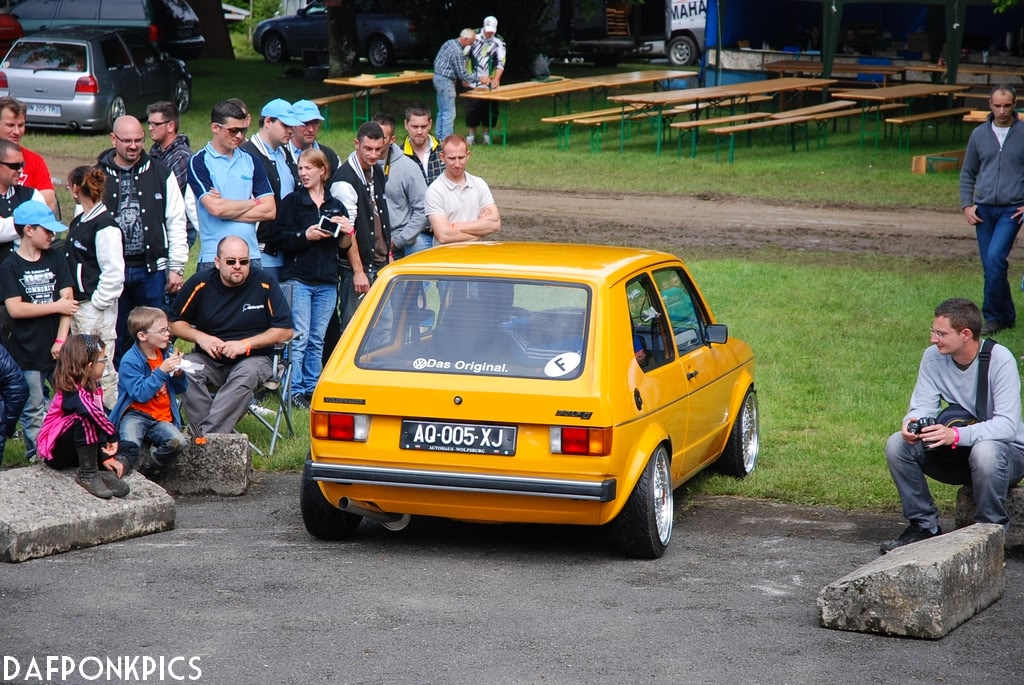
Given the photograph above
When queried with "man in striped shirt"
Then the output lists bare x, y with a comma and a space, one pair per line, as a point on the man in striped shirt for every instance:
449, 71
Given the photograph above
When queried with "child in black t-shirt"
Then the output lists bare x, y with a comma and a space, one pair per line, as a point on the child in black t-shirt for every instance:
36, 287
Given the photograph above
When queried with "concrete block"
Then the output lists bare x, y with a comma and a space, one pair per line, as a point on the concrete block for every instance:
222, 466
1014, 508
923, 590
44, 512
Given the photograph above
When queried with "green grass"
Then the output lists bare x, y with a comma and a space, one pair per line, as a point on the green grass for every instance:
837, 337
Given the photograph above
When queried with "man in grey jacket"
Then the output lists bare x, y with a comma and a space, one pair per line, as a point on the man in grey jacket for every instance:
405, 190
992, 200
987, 455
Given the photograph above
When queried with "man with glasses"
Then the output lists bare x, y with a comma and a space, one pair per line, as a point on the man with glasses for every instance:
232, 190
269, 147
235, 315
988, 455
12, 194
143, 197
35, 173
304, 137
171, 148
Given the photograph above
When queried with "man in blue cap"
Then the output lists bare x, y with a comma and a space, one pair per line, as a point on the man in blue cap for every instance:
269, 147
304, 137
36, 287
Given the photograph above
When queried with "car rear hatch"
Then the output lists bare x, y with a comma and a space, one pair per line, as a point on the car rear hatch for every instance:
45, 71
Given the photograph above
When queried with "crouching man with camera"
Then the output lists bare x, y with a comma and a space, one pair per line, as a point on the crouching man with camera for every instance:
970, 379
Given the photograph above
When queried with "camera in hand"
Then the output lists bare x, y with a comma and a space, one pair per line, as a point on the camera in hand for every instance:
328, 226
923, 422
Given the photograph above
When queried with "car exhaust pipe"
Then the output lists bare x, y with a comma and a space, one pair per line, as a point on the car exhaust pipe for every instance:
74, 126
391, 521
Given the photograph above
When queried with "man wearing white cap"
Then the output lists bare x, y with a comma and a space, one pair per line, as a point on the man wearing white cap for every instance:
304, 137
269, 147
487, 61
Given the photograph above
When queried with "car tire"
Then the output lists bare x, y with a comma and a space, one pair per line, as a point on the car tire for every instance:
682, 51
643, 528
274, 49
323, 520
740, 456
182, 95
379, 52
118, 108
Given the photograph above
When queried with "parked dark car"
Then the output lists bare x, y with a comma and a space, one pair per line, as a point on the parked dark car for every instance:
85, 78
171, 24
384, 35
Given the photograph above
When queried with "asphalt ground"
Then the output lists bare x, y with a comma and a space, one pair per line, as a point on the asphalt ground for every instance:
246, 596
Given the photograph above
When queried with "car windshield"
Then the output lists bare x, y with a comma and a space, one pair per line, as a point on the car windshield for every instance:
486, 327
37, 56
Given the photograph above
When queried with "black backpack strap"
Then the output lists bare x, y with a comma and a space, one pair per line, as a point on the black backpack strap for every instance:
981, 401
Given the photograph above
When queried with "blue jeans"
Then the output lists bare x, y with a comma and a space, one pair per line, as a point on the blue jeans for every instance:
140, 289
34, 411
990, 468
136, 428
311, 309
996, 234
424, 241
445, 88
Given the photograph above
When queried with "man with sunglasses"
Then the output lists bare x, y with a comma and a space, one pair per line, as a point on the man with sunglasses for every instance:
12, 194
235, 315
144, 198
232, 191
171, 148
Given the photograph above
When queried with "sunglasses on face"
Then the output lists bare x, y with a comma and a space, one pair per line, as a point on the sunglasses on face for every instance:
14, 166
231, 261
235, 130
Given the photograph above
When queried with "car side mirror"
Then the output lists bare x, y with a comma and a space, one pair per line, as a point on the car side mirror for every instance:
717, 333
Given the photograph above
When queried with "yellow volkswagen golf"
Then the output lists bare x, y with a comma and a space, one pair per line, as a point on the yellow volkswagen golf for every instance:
532, 383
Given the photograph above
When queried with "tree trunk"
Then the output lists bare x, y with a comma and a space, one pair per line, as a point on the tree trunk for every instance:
341, 39
215, 29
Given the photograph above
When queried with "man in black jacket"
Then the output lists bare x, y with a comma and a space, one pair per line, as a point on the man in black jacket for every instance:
269, 147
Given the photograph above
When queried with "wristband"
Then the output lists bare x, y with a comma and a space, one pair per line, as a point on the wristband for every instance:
956, 437
256, 200
58, 341
248, 347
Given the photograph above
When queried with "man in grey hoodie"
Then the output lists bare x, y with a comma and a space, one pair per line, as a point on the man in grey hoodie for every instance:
405, 189
992, 200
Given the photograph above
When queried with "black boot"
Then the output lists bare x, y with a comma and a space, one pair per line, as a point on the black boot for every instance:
88, 475
117, 487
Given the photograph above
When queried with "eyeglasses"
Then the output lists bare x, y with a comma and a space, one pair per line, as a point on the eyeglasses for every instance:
101, 360
939, 334
231, 261
130, 141
154, 124
235, 130
160, 331
14, 166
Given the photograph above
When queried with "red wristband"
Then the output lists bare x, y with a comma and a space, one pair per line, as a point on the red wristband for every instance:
956, 437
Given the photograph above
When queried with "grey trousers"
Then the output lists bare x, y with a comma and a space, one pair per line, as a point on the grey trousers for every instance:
235, 382
990, 469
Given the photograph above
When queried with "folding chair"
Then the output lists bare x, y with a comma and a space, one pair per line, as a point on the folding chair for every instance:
280, 386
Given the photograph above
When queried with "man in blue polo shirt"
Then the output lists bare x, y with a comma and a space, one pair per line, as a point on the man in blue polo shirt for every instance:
232, 190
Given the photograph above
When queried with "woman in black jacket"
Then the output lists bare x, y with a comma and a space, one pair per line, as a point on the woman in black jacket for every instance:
310, 228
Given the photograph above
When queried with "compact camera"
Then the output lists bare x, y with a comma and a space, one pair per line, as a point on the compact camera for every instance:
923, 422
328, 226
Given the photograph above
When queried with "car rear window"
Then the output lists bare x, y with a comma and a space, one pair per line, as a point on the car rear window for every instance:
50, 56
485, 327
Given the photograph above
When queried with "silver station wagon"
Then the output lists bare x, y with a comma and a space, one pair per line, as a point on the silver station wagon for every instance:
84, 78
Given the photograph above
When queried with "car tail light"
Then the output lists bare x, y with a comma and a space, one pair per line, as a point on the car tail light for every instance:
332, 426
154, 33
3, 80
87, 84
596, 442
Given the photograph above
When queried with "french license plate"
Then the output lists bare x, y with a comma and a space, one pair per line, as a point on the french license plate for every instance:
44, 110
472, 438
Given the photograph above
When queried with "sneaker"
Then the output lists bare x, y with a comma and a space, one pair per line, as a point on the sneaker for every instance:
258, 409
913, 533
470, 139
993, 327
487, 139
299, 400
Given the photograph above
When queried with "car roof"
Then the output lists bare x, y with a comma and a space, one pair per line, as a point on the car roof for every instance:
594, 264
72, 33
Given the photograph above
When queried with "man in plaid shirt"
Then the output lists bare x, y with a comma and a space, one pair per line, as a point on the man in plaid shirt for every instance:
449, 70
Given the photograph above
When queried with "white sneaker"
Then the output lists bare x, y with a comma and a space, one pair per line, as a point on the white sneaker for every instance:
470, 139
487, 139
260, 410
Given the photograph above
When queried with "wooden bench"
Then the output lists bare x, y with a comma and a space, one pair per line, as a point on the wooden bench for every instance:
790, 123
563, 122
815, 109
906, 123
325, 102
824, 118
694, 125
935, 162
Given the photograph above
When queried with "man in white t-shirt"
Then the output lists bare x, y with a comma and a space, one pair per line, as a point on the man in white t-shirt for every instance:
458, 204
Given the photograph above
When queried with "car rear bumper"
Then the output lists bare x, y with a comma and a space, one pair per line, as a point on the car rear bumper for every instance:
595, 491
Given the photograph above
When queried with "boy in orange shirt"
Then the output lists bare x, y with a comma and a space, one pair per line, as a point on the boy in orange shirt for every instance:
148, 386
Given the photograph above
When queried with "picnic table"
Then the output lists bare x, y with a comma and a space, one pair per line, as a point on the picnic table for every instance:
815, 68
871, 100
643, 104
364, 86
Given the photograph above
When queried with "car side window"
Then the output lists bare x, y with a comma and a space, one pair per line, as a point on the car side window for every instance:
120, 9
649, 334
684, 315
143, 52
82, 10
115, 55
